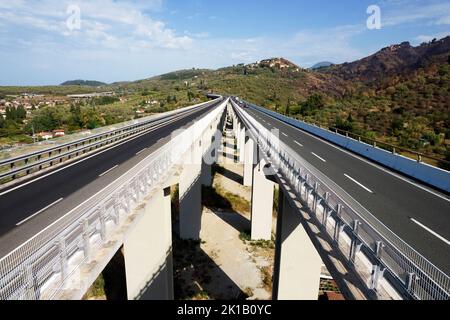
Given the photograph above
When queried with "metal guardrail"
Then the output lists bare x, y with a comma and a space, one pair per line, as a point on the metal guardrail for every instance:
337, 215
40, 267
35, 161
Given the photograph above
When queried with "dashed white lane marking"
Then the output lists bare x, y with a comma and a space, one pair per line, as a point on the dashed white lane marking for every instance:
284, 134
40, 211
430, 231
320, 158
101, 175
358, 183
298, 143
141, 151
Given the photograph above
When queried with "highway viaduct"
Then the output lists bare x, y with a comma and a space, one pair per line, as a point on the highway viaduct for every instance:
59, 252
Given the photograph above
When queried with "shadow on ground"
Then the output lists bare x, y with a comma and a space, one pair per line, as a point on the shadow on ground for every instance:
229, 174
198, 277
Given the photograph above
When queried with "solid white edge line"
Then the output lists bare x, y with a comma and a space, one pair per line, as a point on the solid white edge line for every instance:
40, 211
430, 231
87, 158
320, 158
375, 165
101, 175
358, 183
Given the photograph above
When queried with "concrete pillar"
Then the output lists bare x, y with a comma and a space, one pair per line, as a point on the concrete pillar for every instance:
297, 263
206, 177
190, 193
237, 135
148, 252
242, 144
262, 203
249, 161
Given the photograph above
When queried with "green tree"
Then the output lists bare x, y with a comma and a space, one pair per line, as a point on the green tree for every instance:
287, 110
21, 113
11, 114
313, 103
75, 112
44, 120
190, 95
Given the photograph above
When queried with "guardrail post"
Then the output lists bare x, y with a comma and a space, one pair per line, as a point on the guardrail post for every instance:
355, 245
305, 184
377, 274
378, 249
316, 197
410, 281
116, 214
308, 193
128, 197
86, 242
102, 211
32, 293
338, 227
326, 210
378, 269
63, 258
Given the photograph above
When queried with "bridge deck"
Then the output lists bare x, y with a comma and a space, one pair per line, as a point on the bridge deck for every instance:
30, 207
416, 213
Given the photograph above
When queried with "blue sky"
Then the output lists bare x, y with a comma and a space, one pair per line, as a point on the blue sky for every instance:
120, 40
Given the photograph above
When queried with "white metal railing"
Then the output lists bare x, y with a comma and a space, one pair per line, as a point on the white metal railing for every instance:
40, 267
27, 162
338, 215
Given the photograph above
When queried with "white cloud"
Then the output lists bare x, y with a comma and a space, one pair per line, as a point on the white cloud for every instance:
443, 20
403, 12
198, 35
122, 40
427, 38
111, 23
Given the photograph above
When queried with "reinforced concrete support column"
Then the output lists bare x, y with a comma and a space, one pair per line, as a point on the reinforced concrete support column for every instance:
190, 194
262, 204
297, 263
237, 135
242, 144
148, 252
249, 161
207, 159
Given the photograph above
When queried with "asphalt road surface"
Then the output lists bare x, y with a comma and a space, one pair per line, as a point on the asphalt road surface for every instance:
33, 205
